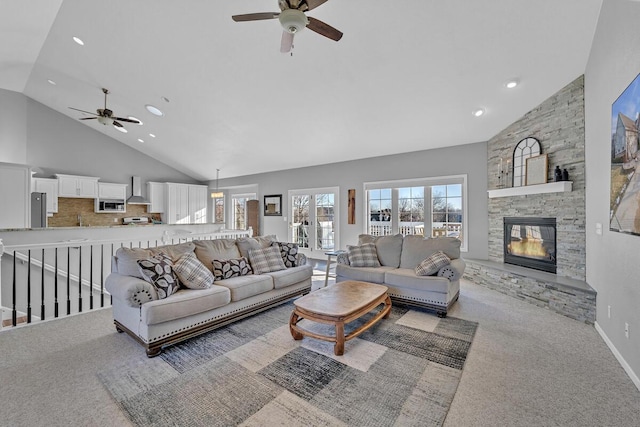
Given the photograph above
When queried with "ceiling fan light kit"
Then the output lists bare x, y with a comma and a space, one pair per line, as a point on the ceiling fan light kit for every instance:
105, 116
293, 20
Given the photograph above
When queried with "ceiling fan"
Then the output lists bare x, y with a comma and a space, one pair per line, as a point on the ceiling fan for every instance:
105, 116
293, 20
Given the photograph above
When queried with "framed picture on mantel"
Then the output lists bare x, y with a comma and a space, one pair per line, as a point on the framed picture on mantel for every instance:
536, 170
273, 205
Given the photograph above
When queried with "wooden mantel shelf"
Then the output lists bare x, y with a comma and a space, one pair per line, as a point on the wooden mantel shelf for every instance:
550, 187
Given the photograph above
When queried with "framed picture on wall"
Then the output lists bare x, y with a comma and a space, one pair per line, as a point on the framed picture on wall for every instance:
273, 205
536, 172
623, 205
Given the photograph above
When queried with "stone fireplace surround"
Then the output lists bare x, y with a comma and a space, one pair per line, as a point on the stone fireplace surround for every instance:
558, 123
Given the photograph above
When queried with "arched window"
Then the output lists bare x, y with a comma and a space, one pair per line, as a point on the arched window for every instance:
528, 147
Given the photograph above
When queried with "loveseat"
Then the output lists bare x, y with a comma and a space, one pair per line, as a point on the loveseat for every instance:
166, 294
417, 270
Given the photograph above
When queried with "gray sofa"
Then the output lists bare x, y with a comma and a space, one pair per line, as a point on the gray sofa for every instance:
398, 258
154, 322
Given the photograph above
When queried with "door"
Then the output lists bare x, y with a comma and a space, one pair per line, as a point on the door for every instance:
314, 223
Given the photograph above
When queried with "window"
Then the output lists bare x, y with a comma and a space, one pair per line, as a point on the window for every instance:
430, 207
239, 210
218, 210
314, 225
446, 210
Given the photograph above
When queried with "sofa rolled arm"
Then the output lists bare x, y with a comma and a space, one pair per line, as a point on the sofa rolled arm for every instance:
343, 258
131, 290
454, 270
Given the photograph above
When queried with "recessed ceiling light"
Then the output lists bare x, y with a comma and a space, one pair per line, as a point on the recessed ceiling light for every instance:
152, 135
141, 140
164, 98
511, 83
123, 130
134, 118
478, 112
154, 110
52, 82
79, 41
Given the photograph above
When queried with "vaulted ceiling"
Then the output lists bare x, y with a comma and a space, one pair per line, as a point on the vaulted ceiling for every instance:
405, 76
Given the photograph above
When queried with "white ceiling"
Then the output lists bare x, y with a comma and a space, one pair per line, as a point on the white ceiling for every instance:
405, 77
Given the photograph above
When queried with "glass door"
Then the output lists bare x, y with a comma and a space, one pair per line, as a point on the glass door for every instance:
314, 223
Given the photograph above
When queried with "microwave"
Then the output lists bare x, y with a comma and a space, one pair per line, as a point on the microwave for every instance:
110, 205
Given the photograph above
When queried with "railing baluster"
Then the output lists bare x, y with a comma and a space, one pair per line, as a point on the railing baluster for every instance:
91, 278
29, 287
42, 288
102, 275
68, 280
14, 312
55, 286
79, 279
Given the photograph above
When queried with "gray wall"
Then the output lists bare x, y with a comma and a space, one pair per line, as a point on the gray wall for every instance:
470, 159
33, 134
612, 258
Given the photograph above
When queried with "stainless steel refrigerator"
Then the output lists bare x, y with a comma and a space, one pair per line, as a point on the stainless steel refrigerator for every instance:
38, 210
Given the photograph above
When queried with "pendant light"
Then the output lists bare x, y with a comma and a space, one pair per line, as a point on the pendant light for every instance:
217, 194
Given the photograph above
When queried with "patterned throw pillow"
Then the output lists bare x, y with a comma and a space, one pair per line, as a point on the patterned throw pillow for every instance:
158, 270
192, 273
228, 268
363, 256
266, 260
289, 253
432, 264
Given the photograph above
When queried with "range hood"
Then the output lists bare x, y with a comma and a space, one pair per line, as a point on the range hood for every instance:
136, 189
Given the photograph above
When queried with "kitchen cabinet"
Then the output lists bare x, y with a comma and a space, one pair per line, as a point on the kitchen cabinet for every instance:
155, 195
49, 186
15, 186
107, 190
185, 204
77, 186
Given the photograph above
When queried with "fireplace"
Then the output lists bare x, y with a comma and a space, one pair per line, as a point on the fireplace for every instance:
530, 242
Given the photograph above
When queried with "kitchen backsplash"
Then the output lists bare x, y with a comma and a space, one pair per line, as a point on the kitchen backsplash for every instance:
74, 212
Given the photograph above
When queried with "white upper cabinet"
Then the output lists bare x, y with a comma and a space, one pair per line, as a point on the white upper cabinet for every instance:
49, 186
107, 190
185, 204
155, 195
77, 186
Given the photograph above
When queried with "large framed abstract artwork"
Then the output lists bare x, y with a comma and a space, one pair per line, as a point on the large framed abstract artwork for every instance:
624, 212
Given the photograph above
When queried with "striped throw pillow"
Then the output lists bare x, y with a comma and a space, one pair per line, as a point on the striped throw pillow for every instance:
432, 264
363, 256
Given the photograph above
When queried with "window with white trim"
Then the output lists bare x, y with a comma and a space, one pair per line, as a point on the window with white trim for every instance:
239, 210
431, 207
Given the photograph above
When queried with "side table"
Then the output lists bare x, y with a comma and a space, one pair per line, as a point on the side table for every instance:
329, 255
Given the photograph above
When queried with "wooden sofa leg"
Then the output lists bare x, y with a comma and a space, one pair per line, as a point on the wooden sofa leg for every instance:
441, 314
154, 351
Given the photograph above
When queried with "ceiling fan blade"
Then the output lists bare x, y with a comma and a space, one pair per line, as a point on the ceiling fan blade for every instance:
82, 111
122, 119
287, 42
312, 4
116, 124
323, 29
87, 118
255, 16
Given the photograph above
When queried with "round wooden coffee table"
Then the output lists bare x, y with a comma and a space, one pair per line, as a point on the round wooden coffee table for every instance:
338, 305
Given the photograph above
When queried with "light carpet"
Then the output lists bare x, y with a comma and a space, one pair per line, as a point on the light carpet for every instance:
403, 371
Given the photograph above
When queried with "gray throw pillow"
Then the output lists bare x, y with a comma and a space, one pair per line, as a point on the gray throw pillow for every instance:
363, 256
432, 264
266, 260
192, 273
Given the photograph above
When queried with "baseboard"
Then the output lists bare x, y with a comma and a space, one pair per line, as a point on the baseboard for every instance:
618, 356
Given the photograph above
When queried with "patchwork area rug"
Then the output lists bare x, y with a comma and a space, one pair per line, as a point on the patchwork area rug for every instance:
403, 371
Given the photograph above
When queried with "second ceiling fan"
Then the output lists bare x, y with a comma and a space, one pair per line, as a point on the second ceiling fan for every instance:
293, 19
